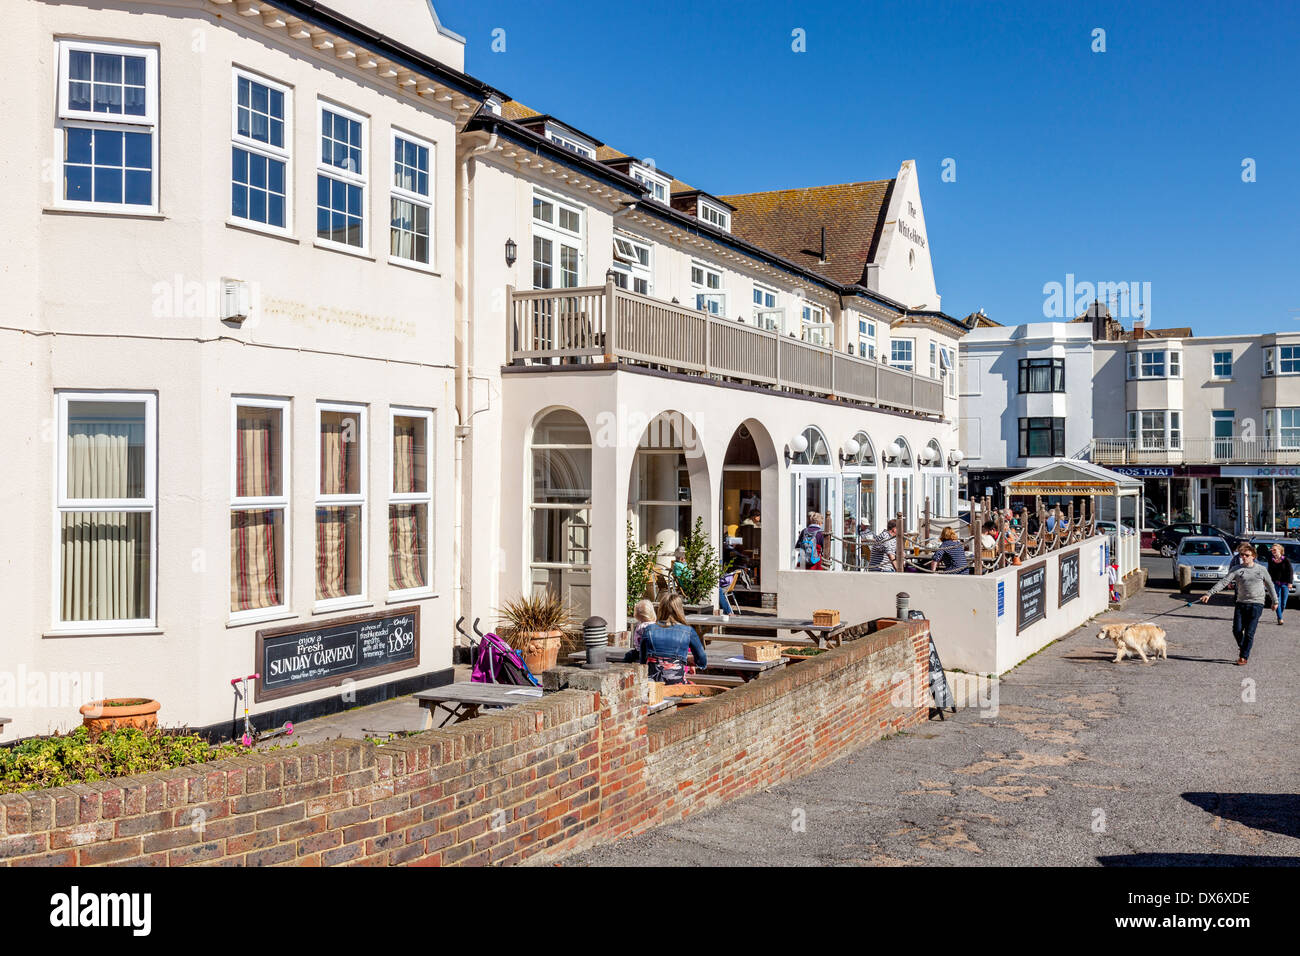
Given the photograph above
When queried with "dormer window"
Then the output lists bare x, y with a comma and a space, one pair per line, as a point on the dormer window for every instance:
570, 141
713, 214
655, 183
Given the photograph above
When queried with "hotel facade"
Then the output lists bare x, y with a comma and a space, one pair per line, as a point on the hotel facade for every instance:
317, 344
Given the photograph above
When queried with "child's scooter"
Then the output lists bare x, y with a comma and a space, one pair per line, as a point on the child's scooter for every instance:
251, 734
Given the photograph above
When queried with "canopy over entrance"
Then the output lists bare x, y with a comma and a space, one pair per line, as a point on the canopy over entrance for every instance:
1115, 497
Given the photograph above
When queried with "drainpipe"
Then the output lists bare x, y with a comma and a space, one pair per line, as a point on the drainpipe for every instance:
463, 401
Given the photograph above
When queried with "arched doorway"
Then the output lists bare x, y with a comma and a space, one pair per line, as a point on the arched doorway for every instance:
560, 509
858, 480
813, 488
661, 494
901, 476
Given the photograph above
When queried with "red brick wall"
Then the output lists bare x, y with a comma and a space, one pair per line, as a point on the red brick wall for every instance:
580, 766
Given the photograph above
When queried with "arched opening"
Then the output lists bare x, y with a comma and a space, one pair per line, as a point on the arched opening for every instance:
940, 483
858, 498
661, 494
748, 471
901, 477
560, 509
813, 503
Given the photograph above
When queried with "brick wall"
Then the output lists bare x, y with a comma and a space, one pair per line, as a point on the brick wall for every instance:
582, 765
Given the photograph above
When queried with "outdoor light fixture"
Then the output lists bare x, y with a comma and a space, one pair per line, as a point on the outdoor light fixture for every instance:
798, 445
849, 451
512, 252
893, 451
956, 456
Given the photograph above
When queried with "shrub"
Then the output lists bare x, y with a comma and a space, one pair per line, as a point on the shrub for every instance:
699, 575
75, 758
641, 564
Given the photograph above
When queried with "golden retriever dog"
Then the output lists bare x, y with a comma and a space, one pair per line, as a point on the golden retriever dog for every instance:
1139, 639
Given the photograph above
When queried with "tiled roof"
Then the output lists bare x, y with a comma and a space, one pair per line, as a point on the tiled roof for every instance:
789, 222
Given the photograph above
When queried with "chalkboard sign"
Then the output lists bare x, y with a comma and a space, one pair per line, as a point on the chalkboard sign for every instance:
939, 683
1031, 595
1069, 589
300, 658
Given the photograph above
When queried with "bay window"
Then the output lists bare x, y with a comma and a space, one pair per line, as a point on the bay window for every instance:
1155, 430
1286, 431
1155, 363
1042, 375
707, 283
107, 509
259, 501
410, 208
631, 265
900, 353
814, 327
107, 130
1282, 360
340, 505
1042, 438
341, 178
260, 152
410, 502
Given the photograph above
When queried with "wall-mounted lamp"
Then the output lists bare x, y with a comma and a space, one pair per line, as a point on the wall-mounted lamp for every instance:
849, 452
798, 445
893, 451
956, 457
512, 252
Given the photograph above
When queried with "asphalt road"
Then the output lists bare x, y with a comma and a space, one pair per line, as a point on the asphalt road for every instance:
1082, 761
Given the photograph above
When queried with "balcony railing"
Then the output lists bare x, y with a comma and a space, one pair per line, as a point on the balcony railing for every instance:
561, 327
1270, 450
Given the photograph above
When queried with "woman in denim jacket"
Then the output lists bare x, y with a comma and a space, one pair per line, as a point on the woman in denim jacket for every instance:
666, 643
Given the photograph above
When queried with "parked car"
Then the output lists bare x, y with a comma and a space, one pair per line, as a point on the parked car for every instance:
1290, 548
1109, 527
1166, 539
1200, 559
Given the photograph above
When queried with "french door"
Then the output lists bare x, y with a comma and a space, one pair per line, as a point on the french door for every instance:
815, 491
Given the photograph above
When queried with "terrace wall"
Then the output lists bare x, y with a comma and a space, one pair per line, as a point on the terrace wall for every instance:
580, 766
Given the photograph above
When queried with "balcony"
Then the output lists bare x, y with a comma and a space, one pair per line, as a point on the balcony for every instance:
561, 328
1269, 450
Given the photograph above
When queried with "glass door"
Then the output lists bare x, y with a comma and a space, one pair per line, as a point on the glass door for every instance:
859, 518
814, 493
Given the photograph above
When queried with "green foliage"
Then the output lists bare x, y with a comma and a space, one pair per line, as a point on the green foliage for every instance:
699, 572
640, 569
74, 758
537, 613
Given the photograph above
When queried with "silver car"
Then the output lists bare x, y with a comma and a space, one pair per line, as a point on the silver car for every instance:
1200, 560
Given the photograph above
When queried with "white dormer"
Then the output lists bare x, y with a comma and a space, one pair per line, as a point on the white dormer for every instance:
570, 140
715, 214
655, 182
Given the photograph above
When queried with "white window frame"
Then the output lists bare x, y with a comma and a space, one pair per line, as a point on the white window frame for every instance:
360, 500
934, 360
947, 371
657, 184
712, 213
570, 141
561, 236
329, 171
88, 119
1280, 434
406, 195
627, 262
813, 325
413, 498
1171, 363
279, 154
910, 364
1283, 360
265, 503
706, 294
1270, 360
147, 504
1214, 365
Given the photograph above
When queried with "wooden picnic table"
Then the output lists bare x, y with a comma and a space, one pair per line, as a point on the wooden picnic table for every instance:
748, 670
710, 627
462, 700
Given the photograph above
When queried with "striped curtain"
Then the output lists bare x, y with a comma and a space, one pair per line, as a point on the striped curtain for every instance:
331, 523
405, 568
254, 580
105, 553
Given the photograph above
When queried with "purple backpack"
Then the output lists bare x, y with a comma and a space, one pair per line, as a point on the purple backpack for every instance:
496, 662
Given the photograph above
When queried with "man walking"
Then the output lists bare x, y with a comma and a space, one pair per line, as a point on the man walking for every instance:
1254, 591
885, 548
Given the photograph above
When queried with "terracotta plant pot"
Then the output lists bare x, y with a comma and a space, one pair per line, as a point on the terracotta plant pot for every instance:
691, 693
117, 713
540, 651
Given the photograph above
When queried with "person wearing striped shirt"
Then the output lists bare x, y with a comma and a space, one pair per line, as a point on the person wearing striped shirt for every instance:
950, 554
884, 548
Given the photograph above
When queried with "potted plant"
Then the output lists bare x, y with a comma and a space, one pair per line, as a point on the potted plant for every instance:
115, 713
698, 570
535, 625
641, 567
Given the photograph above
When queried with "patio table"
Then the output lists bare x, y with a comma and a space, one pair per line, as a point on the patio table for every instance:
710, 627
462, 700
748, 670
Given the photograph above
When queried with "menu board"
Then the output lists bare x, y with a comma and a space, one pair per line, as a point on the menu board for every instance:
300, 658
1069, 589
1031, 595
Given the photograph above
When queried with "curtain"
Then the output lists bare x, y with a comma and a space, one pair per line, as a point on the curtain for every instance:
105, 553
331, 523
254, 568
405, 567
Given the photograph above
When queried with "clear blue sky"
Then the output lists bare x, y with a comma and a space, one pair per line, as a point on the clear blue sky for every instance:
1117, 166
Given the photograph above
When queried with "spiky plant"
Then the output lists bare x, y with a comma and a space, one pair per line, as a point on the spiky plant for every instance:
520, 620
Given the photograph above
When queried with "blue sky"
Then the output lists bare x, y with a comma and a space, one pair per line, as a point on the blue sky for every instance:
1122, 166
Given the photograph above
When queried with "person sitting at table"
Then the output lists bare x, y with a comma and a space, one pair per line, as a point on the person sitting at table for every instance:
988, 536
666, 643
884, 548
950, 554
753, 521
